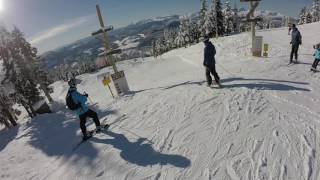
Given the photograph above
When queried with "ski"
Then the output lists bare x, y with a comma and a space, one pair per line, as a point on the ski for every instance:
92, 133
314, 70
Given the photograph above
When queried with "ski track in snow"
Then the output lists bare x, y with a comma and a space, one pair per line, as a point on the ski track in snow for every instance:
261, 126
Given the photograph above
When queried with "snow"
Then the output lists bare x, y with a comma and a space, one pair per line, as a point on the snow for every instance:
129, 42
88, 51
264, 123
142, 35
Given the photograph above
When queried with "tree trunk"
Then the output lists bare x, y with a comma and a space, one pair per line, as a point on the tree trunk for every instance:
47, 94
32, 110
27, 109
5, 122
10, 117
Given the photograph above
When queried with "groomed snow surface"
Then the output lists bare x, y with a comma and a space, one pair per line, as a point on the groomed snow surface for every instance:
263, 125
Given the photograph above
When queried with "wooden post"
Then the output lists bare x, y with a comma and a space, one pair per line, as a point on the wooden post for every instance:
105, 37
253, 24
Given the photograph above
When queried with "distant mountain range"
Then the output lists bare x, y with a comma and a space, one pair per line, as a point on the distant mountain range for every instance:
130, 39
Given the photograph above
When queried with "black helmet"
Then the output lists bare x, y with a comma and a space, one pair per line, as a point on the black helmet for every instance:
72, 82
205, 39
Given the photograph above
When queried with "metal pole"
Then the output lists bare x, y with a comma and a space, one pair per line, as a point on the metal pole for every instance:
105, 37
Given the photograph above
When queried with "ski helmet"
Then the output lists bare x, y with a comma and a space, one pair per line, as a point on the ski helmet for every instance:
72, 83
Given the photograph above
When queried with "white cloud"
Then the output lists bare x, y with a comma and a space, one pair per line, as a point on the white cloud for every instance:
58, 30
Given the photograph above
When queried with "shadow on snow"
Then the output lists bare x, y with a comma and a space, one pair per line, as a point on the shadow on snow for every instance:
265, 84
7, 136
260, 84
56, 134
142, 154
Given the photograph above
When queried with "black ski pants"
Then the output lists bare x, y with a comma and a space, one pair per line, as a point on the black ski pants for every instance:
213, 71
294, 51
315, 63
83, 119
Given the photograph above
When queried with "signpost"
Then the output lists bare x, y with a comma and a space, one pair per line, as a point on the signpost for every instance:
250, 18
118, 78
103, 31
265, 50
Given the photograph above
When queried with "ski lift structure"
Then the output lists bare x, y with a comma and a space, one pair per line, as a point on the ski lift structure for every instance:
256, 40
118, 79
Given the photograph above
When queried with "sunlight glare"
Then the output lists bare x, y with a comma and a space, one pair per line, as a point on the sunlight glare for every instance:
1, 5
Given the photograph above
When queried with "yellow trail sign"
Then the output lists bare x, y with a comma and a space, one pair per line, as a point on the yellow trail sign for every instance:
106, 80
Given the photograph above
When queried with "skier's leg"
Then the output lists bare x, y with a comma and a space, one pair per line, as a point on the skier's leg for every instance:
296, 52
316, 63
208, 76
291, 54
94, 116
215, 75
83, 128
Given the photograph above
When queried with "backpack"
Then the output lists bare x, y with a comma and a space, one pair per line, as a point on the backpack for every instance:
70, 102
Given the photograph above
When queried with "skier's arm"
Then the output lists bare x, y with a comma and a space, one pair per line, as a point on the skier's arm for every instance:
214, 50
79, 97
300, 38
205, 54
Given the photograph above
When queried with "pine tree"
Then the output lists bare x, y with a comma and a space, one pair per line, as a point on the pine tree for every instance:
228, 18
183, 38
210, 24
236, 19
195, 34
308, 17
315, 11
203, 14
21, 68
219, 17
302, 16
154, 50
7, 113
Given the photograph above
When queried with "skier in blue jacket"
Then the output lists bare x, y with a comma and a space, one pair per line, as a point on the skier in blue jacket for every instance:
317, 57
209, 62
83, 111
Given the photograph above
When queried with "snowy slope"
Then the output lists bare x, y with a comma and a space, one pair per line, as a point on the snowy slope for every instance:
264, 123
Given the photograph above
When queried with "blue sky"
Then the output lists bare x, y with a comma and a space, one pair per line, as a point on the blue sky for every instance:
48, 24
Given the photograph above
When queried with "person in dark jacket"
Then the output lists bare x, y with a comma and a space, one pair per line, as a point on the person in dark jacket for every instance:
83, 111
296, 41
209, 62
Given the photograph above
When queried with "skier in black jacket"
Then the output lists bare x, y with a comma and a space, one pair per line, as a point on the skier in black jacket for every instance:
210, 63
295, 42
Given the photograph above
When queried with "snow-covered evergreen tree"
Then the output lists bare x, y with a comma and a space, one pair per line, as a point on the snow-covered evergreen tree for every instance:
8, 115
315, 11
210, 24
183, 38
154, 50
169, 37
195, 34
308, 17
228, 18
203, 14
219, 16
303, 16
236, 19
21, 68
